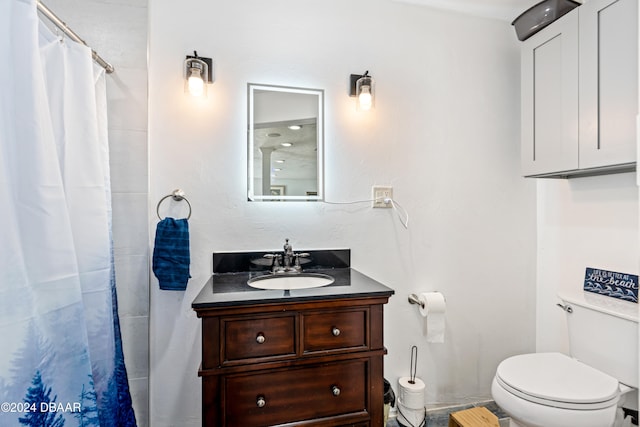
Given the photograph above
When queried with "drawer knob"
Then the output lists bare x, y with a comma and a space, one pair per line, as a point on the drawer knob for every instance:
260, 338
335, 390
261, 402
335, 331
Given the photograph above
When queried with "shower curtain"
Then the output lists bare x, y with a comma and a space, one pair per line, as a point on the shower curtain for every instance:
61, 361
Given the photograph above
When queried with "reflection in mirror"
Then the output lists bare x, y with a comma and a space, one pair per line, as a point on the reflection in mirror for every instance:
285, 143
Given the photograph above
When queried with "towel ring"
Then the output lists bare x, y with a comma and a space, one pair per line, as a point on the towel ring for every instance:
178, 196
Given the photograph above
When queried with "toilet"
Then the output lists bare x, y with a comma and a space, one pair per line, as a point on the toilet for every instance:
586, 389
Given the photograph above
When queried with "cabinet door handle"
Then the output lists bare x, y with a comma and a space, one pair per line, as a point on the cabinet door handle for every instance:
261, 402
335, 390
260, 338
335, 331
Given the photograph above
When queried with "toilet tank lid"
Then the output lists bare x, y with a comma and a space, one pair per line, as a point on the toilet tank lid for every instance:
558, 378
612, 306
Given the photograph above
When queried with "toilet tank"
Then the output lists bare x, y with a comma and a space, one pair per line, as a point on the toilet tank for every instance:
603, 333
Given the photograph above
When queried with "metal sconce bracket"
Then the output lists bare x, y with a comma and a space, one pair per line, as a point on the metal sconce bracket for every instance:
353, 78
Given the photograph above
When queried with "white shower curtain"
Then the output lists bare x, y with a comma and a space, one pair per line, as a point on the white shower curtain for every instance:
60, 352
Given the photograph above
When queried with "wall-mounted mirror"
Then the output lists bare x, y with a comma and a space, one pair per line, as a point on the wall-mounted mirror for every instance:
286, 142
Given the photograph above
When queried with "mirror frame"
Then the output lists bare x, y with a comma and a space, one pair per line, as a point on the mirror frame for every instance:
251, 195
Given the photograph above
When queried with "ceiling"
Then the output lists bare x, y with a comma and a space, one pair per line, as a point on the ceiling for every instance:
298, 161
506, 10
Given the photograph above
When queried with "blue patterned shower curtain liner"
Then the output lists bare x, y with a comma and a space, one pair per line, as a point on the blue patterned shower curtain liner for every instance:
61, 360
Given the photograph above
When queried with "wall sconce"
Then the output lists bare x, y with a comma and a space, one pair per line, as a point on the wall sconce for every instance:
363, 88
198, 72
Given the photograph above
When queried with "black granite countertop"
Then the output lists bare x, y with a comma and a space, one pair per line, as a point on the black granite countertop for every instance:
231, 289
228, 284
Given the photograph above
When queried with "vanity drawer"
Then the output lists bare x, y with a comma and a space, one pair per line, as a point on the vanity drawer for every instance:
304, 393
256, 337
335, 330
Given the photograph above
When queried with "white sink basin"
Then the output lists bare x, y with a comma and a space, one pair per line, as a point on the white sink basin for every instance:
291, 281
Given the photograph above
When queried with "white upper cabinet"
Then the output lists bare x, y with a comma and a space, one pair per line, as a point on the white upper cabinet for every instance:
608, 82
550, 98
580, 92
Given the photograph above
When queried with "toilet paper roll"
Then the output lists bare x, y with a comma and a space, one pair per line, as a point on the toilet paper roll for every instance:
433, 307
410, 417
411, 395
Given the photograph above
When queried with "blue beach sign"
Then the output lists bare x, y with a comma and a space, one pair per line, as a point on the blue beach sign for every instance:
610, 283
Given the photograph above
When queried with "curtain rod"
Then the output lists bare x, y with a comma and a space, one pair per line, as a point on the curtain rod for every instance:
69, 32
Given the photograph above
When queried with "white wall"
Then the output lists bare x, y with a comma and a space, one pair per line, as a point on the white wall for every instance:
445, 135
583, 222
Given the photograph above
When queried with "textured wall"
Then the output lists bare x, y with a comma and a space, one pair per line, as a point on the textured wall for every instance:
585, 222
445, 135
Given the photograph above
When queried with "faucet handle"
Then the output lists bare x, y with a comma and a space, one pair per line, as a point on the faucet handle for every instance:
275, 259
300, 255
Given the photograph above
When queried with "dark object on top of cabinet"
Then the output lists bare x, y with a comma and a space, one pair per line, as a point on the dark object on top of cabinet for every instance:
539, 16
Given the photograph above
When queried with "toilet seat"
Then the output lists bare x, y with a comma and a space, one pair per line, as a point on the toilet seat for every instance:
556, 380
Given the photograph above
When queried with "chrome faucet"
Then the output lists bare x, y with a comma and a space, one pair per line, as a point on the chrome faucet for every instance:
287, 255
290, 260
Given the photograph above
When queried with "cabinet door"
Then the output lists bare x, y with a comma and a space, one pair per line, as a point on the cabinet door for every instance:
549, 90
608, 82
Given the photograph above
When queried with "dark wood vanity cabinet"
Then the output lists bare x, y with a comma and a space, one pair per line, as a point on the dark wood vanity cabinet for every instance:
313, 363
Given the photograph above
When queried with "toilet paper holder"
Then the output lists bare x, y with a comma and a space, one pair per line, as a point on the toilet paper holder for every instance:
413, 299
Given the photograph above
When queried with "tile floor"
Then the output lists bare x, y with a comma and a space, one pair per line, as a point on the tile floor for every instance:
440, 417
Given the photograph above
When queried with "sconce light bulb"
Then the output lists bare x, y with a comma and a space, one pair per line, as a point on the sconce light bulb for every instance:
196, 84
364, 98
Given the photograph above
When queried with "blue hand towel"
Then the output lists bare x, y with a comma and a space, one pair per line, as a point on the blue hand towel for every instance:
171, 256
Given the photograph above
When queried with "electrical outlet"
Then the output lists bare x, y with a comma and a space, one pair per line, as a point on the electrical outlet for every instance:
380, 194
